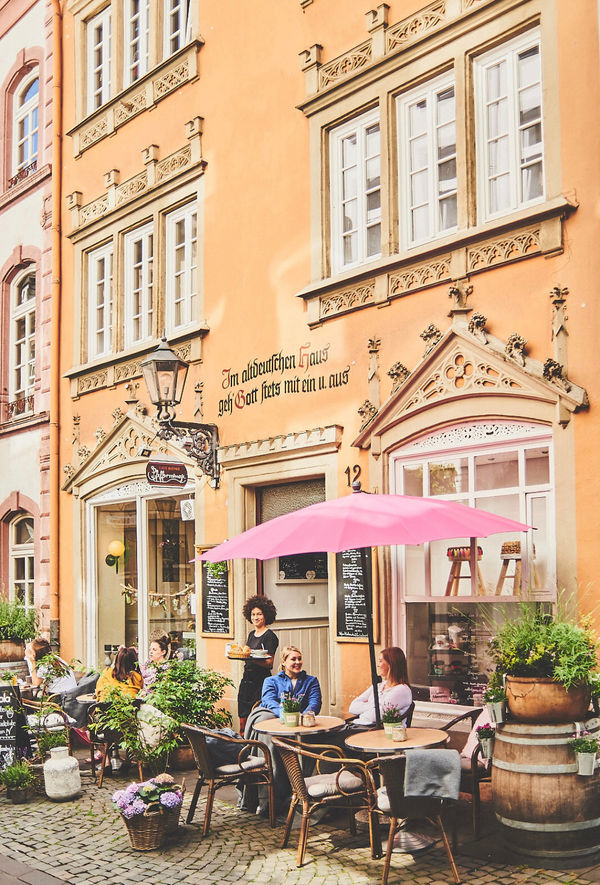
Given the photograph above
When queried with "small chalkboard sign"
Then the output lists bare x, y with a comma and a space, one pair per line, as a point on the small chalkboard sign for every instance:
303, 567
13, 737
352, 583
216, 601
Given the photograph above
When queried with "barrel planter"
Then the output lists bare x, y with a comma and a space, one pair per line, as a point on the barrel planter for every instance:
11, 650
535, 699
545, 809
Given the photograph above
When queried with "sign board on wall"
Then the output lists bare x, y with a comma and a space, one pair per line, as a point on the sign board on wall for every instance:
216, 601
351, 594
166, 473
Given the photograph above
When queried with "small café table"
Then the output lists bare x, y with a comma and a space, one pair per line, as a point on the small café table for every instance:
377, 743
323, 724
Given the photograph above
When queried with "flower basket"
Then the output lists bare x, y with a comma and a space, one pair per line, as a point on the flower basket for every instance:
146, 831
172, 815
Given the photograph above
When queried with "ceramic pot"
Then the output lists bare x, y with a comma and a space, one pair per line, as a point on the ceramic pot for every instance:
545, 701
62, 779
291, 719
496, 711
586, 763
388, 727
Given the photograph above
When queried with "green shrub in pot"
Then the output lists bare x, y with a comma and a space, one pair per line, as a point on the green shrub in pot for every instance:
16, 624
188, 693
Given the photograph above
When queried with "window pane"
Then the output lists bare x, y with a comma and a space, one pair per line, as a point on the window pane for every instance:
24, 531
537, 466
373, 173
349, 153
418, 187
496, 83
448, 216
447, 176
529, 66
496, 471
372, 141
532, 182
445, 105
418, 153
529, 105
412, 478
446, 140
350, 215
420, 223
373, 206
374, 240
349, 183
418, 118
498, 119
350, 251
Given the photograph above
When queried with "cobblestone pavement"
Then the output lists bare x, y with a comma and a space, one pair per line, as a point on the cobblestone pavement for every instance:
84, 842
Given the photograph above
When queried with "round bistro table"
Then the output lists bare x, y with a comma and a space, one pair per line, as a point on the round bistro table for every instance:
322, 725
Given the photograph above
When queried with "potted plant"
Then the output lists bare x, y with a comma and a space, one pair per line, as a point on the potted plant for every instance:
495, 698
189, 694
585, 747
549, 663
390, 716
17, 627
150, 810
485, 735
290, 707
20, 781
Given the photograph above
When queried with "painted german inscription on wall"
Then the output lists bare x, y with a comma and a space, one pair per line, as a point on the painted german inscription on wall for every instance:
306, 370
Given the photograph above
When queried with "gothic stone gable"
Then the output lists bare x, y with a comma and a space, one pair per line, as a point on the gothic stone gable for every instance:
459, 367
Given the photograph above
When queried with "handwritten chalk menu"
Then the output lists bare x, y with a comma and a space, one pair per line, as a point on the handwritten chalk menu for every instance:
352, 594
13, 737
216, 602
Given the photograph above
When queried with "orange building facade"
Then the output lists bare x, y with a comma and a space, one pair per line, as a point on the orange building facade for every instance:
372, 234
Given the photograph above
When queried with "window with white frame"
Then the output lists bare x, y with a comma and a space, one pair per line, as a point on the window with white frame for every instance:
22, 561
98, 60
177, 25
99, 314
136, 39
427, 161
139, 281
355, 187
510, 146
23, 343
26, 123
181, 289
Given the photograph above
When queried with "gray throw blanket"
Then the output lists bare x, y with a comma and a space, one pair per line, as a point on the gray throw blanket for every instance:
432, 773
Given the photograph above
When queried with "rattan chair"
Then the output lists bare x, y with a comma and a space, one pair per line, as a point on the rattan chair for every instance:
252, 764
393, 802
473, 770
105, 740
46, 717
350, 785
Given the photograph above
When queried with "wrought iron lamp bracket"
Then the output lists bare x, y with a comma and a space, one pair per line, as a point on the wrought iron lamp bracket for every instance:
200, 442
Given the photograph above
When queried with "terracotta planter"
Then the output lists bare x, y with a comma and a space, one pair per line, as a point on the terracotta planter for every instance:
11, 650
182, 759
539, 700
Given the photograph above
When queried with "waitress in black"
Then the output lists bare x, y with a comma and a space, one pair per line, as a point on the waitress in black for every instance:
260, 611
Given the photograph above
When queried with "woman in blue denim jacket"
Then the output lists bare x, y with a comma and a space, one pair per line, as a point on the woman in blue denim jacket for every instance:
292, 680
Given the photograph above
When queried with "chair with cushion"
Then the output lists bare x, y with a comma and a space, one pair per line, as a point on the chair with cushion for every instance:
394, 801
349, 785
46, 717
474, 769
222, 760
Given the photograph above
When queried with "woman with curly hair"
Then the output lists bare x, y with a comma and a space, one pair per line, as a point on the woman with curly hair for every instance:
260, 611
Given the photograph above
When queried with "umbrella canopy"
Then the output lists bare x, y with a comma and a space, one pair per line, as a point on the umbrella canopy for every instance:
361, 520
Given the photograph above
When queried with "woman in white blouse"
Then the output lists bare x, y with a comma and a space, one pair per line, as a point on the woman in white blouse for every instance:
394, 690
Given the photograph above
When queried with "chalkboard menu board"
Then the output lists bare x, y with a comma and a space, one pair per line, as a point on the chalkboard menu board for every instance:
216, 602
352, 583
13, 736
303, 567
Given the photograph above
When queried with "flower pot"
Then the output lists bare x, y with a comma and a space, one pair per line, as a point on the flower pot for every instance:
291, 719
487, 747
542, 700
62, 780
388, 728
586, 763
146, 831
496, 711
20, 795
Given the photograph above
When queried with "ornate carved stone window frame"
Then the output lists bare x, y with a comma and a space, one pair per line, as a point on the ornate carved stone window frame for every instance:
446, 36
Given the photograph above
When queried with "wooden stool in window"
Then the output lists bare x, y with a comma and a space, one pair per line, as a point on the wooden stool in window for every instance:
458, 555
511, 551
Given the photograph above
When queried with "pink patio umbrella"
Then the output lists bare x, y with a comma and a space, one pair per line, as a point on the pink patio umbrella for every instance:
363, 520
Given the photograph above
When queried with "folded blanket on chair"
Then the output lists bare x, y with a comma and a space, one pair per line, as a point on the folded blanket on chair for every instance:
432, 773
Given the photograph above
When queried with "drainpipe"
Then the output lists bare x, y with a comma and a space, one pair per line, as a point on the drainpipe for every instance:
55, 320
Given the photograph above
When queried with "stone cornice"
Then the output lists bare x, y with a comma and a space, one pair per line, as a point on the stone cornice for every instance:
525, 234
25, 186
322, 439
145, 93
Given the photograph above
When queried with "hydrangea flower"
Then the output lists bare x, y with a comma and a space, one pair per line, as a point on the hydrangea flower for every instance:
133, 789
138, 806
117, 796
170, 799
163, 779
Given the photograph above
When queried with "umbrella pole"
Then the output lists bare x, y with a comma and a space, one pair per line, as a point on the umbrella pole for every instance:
369, 602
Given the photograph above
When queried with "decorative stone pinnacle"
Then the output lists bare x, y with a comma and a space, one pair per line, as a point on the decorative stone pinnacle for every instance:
477, 327
515, 348
367, 412
554, 372
431, 336
398, 373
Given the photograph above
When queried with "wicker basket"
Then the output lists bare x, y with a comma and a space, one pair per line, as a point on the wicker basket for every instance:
172, 815
146, 831
510, 548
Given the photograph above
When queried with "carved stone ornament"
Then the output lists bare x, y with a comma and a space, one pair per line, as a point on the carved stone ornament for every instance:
69, 471
347, 64
554, 372
367, 412
431, 336
100, 434
477, 327
398, 373
83, 453
515, 348
459, 292
354, 296
411, 29
117, 415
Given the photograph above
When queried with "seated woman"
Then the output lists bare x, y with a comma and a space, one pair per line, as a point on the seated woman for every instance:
394, 690
291, 680
124, 675
55, 673
160, 656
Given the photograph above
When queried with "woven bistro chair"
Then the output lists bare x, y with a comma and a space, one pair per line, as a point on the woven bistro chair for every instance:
350, 785
105, 740
393, 802
251, 768
474, 771
46, 717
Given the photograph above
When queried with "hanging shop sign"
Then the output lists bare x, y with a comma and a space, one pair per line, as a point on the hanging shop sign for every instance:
166, 473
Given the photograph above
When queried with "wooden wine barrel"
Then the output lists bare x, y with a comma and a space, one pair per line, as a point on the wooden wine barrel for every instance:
544, 807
